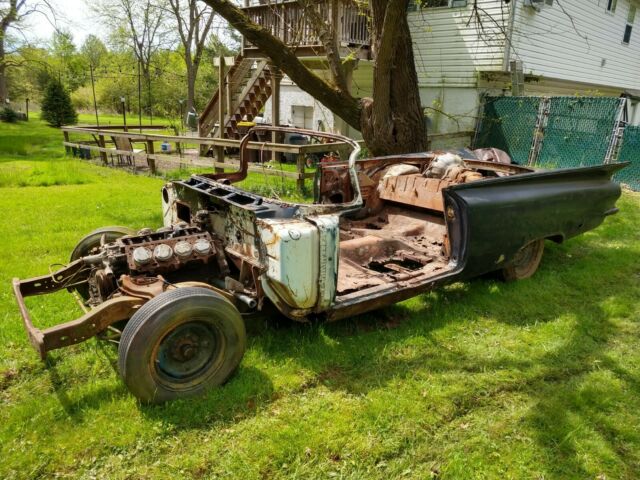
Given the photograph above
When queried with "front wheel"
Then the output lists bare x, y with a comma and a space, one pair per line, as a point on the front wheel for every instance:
525, 263
89, 243
179, 344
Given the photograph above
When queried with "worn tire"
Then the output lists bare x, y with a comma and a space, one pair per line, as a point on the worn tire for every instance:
91, 241
525, 263
179, 344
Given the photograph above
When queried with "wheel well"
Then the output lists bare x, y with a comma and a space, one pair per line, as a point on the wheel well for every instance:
559, 238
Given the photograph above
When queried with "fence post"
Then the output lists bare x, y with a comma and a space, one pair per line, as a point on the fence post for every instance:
67, 148
103, 145
538, 133
618, 132
479, 120
151, 161
300, 164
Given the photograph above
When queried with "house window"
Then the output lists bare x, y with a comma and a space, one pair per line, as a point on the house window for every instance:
629, 26
442, 3
611, 5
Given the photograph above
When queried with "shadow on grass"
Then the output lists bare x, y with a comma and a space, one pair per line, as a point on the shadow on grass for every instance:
243, 395
354, 356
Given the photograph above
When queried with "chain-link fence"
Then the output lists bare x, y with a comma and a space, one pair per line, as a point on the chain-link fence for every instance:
578, 131
630, 152
508, 123
560, 132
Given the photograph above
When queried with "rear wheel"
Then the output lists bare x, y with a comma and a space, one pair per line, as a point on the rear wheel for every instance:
525, 263
179, 344
94, 239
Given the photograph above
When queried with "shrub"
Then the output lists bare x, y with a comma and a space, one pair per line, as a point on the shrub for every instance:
8, 115
57, 109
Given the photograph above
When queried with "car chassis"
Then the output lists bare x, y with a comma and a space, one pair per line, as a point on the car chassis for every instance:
379, 231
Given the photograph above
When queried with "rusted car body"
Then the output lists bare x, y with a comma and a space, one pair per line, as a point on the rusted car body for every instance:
380, 231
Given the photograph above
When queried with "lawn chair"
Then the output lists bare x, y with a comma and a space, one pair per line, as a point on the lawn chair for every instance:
124, 144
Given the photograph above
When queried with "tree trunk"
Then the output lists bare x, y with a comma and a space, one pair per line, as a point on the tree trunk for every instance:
3, 68
392, 121
192, 73
3, 81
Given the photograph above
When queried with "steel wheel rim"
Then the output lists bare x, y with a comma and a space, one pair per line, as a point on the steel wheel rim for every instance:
186, 354
525, 256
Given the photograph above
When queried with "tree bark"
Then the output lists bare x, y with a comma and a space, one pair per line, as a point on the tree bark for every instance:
192, 73
3, 72
193, 26
10, 17
392, 121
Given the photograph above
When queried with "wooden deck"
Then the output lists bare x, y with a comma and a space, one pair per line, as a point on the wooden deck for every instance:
288, 20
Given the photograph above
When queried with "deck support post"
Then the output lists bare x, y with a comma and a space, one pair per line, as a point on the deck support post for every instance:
276, 77
221, 110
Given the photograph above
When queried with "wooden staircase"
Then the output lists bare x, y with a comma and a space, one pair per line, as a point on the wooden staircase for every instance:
249, 88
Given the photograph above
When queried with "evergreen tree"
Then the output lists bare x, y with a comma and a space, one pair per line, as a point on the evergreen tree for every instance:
57, 108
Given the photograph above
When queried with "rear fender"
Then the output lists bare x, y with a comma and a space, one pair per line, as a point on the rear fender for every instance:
500, 216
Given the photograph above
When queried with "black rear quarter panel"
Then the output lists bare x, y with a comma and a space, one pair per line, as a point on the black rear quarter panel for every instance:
496, 217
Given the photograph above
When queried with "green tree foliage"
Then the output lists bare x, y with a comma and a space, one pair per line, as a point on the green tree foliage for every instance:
57, 109
94, 51
115, 69
8, 115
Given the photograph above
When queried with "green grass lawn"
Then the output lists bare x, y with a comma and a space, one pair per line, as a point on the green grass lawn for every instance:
530, 380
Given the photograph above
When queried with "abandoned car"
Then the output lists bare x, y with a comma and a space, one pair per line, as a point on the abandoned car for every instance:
380, 230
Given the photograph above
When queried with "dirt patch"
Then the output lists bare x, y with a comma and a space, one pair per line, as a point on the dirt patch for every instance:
7, 378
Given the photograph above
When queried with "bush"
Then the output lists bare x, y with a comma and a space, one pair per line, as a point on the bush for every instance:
57, 109
8, 115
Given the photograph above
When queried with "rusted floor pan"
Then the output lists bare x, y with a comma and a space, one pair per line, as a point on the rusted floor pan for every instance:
395, 245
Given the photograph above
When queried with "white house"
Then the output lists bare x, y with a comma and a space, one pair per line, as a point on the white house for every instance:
566, 47
465, 49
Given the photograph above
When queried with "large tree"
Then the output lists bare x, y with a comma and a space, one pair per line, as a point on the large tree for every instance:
137, 24
12, 16
392, 120
193, 20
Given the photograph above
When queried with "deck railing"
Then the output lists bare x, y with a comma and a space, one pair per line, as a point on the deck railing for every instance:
135, 150
289, 21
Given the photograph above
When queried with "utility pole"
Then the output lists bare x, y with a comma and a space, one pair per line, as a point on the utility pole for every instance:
150, 102
124, 113
139, 99
93, 87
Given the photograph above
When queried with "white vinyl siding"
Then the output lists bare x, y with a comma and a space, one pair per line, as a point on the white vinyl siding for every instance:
550, 45
450, 52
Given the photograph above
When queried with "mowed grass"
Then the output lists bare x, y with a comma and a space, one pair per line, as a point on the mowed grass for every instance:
530, 380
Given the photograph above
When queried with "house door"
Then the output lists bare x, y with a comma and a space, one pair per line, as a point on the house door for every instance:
302, 117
